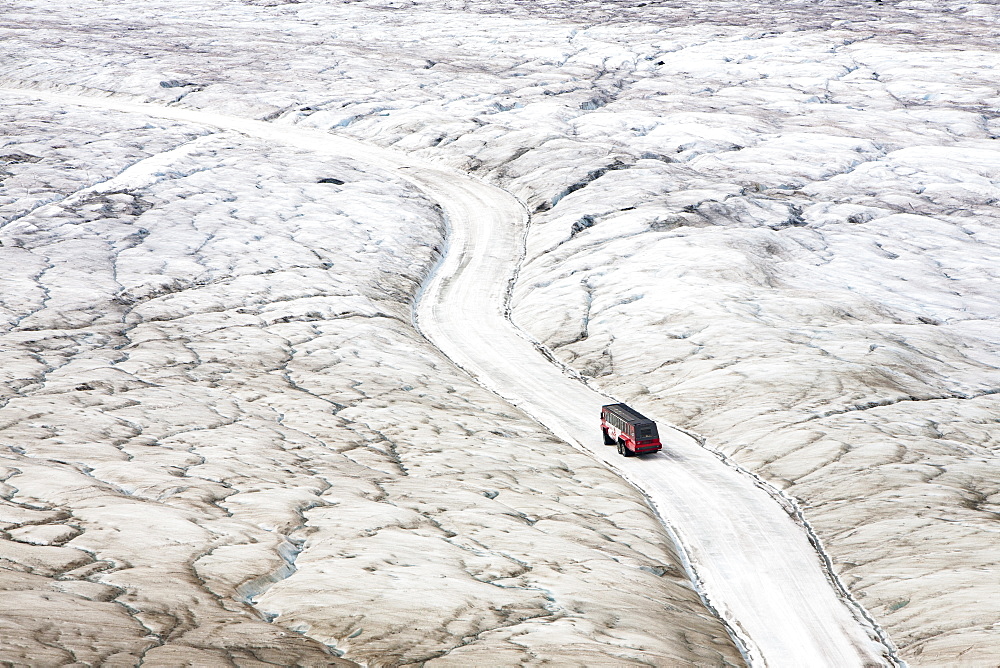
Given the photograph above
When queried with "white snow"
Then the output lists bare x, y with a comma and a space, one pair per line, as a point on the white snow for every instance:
770, 224
244, 419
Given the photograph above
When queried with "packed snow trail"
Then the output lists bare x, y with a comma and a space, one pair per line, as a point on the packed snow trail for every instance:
756, 566
754, 563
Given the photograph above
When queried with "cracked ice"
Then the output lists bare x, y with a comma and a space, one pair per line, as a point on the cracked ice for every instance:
774, 225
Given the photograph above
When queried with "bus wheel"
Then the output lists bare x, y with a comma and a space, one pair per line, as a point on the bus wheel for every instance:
623, 449
607, 439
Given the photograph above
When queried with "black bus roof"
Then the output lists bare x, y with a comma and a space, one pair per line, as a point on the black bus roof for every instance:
628, 414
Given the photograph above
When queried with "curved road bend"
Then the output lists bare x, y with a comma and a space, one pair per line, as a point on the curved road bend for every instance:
755, 565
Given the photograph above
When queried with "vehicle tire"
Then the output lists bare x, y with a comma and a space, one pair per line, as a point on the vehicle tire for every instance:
607, 439
623, 449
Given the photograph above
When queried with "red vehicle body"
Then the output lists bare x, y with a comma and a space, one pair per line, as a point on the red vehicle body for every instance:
632, 432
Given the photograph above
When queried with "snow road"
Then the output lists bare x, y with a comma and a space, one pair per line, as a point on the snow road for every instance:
756, 566
754, 563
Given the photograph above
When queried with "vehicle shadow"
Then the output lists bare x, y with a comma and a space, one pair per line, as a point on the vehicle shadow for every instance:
663, 454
